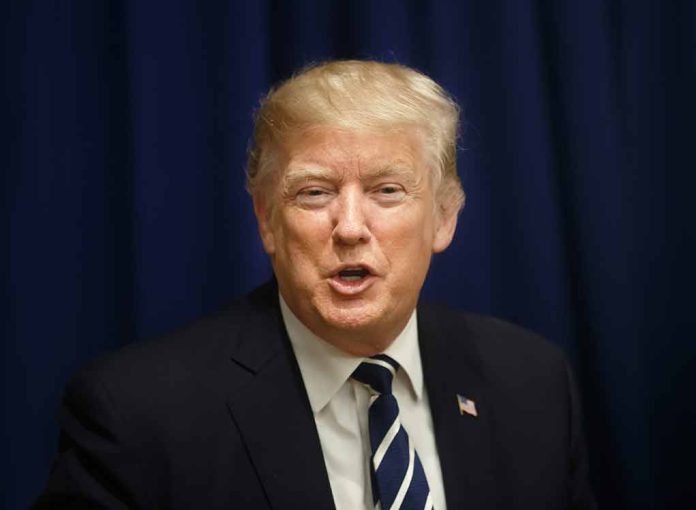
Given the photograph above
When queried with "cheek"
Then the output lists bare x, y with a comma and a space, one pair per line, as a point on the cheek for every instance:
407, 244
412, 229
303, 236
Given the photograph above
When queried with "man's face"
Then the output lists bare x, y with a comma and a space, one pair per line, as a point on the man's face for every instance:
350, 227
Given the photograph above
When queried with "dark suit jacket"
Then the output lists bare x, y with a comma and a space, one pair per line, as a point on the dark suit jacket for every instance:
216, 416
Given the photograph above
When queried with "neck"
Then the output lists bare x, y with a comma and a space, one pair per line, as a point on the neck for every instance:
364, 342
355, 343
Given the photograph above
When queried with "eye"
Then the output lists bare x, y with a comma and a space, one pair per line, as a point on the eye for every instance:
389, 193
313, 196
389, 189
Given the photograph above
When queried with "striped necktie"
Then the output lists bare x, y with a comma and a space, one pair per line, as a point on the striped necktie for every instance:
398, 479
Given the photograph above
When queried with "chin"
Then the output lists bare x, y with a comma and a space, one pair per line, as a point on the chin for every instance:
351, 316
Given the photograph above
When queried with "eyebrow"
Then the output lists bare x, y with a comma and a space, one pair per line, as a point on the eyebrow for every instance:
307, 173
302, 174
395, 170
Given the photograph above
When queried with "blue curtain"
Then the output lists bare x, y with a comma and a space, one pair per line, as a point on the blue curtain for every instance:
124, 214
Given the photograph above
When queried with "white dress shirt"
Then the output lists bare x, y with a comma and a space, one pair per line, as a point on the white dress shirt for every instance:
340, 407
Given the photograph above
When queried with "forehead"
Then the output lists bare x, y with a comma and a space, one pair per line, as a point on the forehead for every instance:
368, 152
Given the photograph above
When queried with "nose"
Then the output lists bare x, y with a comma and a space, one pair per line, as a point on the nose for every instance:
350, 220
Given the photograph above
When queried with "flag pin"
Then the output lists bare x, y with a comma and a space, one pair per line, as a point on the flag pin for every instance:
466, 406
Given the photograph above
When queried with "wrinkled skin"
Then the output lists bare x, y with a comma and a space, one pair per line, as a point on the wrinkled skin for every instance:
353, 200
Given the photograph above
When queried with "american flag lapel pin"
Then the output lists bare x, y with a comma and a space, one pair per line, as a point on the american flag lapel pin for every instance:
466, 406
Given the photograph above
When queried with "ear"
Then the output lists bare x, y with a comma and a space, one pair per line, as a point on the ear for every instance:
263, 218
445, 225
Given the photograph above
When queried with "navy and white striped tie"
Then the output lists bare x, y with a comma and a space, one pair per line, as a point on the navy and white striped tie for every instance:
398, 479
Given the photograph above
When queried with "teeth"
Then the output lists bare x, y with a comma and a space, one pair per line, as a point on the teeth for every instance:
351, 278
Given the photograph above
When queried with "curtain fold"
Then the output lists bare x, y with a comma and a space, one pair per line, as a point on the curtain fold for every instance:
124, 212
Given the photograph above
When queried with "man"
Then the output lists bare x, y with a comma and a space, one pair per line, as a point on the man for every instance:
332, 386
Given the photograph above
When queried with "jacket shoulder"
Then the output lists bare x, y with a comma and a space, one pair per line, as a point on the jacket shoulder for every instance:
136, 420
190, 356
500, 350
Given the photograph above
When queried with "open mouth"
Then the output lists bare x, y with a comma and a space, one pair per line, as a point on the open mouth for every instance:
352, 280
353, 274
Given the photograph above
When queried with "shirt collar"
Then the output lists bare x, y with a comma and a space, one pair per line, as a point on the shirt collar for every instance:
326, 368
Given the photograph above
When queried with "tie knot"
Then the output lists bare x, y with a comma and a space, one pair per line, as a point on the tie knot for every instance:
377, 372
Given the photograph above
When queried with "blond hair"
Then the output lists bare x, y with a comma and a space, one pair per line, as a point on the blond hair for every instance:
359, 95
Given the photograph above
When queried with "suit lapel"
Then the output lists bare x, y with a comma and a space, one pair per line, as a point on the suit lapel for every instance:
465, 442
274, 417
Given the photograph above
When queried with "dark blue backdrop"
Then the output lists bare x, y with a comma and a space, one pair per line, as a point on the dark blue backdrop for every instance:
123, 211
